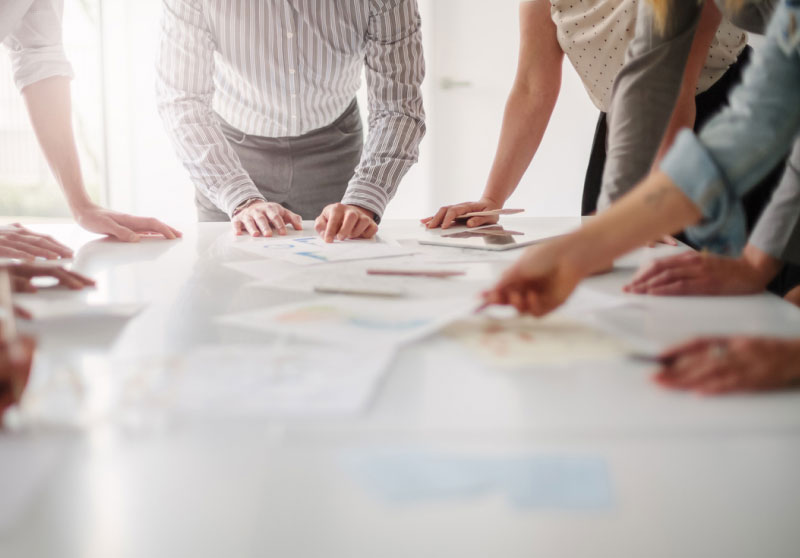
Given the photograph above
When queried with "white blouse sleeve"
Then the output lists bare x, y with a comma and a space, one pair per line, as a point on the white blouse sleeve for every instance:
35, 45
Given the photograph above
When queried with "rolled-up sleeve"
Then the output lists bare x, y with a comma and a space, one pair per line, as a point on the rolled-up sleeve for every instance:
35, 46
395, 68
185, 88
738, 146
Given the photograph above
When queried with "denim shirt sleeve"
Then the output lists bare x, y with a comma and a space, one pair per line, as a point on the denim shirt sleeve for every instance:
737, 147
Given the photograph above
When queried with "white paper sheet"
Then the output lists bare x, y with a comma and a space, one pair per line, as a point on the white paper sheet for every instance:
524, 341
282, 380
48, 308
542, 481
348, 321
279, 275
586, 300
311, 250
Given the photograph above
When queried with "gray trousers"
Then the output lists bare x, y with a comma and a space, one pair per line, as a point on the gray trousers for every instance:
303, 173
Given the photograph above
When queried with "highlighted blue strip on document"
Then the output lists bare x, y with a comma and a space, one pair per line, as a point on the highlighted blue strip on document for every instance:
528, 482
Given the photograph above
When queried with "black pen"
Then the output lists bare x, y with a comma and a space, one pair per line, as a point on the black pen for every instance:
652, 359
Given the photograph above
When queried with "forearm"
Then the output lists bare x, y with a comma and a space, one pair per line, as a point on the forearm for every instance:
395, 69
391, 149
764, 266
49, 105
685, 112
201, 146
644, 96
655, 208
742, 143
527, 114
184, 92
683, 116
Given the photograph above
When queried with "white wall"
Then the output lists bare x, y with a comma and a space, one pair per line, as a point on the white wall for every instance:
477, 46
145, 176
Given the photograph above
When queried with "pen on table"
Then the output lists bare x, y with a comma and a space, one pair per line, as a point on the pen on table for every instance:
435, 274
652, 359
490, 213
483, 306
358, 291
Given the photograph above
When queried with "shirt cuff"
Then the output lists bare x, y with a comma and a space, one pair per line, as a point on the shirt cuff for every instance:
690, 166
235, 193
368, 196
33, 65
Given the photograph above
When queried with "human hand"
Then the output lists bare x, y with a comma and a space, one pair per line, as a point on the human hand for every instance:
124, 227
698, 273
666, 239
22, 274
340, 221
18, 242
263, 218
793, 296
448, 214
722, 365
541, 280
16, 358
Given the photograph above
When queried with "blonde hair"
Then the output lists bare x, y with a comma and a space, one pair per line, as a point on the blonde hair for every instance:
661, 9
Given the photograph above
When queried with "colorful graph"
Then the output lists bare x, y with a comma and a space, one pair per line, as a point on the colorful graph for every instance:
525, 341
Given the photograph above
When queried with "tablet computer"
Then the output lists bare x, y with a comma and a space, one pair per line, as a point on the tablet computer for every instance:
501, 236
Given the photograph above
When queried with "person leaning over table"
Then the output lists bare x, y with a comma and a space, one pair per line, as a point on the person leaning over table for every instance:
31, 30
259, 100
656, 69
698, 184
594, 36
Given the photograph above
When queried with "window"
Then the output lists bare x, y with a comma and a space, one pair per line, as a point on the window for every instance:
27, 185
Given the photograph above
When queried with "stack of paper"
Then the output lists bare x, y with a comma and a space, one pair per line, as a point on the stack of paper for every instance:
353, 321
354, 276
47, 308
282, 380
310, 250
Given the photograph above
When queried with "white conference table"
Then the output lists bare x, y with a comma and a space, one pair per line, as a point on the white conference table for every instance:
688, 476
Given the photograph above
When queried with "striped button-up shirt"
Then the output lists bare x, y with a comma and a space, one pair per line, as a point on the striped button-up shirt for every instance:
280, 68
31, 29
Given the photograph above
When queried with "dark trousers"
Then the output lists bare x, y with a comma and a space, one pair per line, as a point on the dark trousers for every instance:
708, 104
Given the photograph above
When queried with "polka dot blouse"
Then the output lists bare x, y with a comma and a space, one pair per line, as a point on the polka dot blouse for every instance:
594, 35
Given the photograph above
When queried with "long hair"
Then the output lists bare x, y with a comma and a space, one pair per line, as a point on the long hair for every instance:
661, 9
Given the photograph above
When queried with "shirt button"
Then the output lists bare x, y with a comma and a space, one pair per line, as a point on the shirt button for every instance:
289, 35
291, 72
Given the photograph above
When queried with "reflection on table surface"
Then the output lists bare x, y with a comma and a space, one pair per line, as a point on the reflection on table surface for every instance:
461, 449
